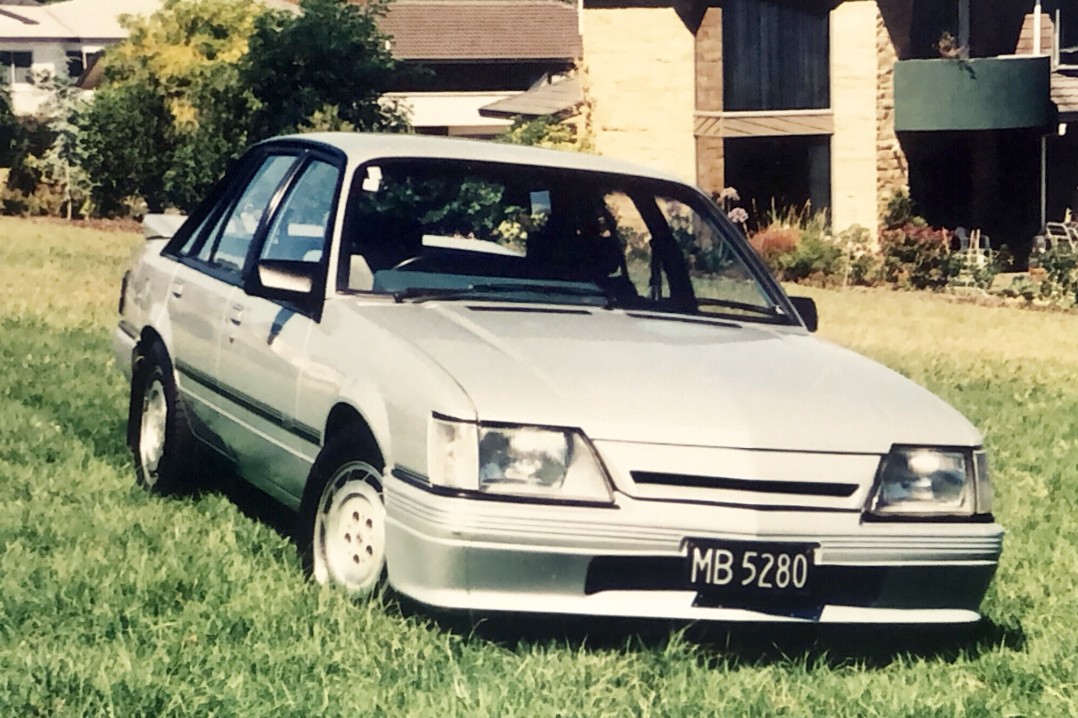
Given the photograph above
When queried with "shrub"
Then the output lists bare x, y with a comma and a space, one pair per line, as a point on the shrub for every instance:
814, 259
797, 249
863, 262
43, 200
916, 257
1060, 283
899, 210
775, 241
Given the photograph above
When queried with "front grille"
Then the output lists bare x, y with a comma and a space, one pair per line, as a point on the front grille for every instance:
785, 488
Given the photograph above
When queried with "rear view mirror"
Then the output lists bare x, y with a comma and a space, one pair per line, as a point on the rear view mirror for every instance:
806, 309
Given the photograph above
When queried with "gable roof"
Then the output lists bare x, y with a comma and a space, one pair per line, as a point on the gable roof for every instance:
483, 30
71, 20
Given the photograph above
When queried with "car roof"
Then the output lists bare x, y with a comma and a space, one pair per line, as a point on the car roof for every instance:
362, 147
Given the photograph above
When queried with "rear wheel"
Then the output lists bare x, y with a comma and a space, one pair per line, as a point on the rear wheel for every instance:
343, 532
158, 432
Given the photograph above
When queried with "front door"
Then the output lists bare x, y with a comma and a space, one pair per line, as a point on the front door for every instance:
263, 348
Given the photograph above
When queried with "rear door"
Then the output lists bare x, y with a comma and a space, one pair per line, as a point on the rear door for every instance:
212, 258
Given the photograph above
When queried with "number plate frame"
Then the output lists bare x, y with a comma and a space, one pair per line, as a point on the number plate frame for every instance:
748, 570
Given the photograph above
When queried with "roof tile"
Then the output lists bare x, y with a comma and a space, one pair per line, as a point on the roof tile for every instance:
483, 30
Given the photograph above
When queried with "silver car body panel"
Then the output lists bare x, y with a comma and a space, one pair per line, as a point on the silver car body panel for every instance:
793, 427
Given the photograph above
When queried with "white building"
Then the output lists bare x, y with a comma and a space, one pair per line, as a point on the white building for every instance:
64, 36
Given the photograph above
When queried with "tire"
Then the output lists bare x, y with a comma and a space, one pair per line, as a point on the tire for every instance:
342, 526
159, 434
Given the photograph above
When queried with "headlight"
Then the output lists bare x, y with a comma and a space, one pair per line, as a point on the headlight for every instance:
515, 460
932, 482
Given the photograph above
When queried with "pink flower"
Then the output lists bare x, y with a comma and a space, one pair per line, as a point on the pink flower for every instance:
738, 215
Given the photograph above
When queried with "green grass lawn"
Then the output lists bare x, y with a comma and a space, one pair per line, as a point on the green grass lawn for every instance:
113, 602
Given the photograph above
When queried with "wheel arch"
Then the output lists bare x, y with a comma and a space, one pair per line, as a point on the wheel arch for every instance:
344, 419
148, 337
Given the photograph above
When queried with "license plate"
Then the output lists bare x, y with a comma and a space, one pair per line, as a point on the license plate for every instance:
744, 568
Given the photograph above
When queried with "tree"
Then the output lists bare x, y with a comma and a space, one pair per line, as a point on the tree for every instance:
60, 166
9, 125
325, 67
200, 79
543, 131
125, 143
172, 111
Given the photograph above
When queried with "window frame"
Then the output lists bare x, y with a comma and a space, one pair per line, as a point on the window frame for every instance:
202, 225
8, 61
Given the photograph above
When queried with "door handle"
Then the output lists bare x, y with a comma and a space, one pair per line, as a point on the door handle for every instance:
177, 289
235, 314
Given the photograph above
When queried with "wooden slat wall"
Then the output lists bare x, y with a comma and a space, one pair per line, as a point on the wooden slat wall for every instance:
775, 54
755, 124
1025, 39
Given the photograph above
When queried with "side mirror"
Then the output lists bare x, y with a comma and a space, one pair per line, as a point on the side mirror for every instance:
806, 309
285, 279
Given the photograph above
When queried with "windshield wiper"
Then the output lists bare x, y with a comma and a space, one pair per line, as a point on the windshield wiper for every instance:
741, 306
422, 294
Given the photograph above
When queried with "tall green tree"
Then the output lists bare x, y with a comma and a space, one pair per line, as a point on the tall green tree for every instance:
172, 111
200, 79
324, 67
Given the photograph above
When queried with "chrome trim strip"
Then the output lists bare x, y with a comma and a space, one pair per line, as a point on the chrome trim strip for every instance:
263, 411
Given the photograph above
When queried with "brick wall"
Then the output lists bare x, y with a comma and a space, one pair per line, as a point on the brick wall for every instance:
892, 33
710, 166
640, 77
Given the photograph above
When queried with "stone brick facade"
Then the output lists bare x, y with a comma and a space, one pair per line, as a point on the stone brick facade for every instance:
710, 166
649, 72
641, 79
893, 19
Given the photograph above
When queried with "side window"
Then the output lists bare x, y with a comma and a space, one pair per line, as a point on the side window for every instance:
236, 229
301, 226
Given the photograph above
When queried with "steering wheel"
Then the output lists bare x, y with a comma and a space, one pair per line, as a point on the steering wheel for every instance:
414, 264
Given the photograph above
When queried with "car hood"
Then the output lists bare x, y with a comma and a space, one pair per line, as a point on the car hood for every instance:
623, 376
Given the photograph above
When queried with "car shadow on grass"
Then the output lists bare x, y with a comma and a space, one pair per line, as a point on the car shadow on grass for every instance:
716, 645
218, 478
727, 645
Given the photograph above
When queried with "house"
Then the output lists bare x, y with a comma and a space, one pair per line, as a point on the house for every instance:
838, 104
61, 37
66, 36
483, 61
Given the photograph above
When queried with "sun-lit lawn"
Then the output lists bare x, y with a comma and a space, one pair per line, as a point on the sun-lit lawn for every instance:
113, 602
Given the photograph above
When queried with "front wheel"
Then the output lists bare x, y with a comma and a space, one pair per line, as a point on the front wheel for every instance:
158, 431
343, 531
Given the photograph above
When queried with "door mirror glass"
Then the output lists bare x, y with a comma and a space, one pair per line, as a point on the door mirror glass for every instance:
806, 308
286, 279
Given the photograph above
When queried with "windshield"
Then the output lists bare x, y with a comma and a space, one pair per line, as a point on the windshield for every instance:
424, 230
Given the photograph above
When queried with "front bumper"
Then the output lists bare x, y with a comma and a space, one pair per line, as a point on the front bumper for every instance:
486, 555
